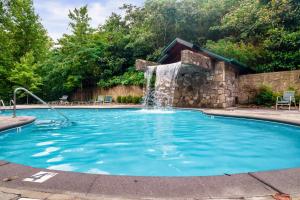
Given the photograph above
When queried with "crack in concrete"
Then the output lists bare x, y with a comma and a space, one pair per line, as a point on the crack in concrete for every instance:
5, 163
91, 185
17, 196
265, 183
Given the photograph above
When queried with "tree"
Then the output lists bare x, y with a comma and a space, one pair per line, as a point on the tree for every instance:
24, 74
20, 33
271, 28
75, 63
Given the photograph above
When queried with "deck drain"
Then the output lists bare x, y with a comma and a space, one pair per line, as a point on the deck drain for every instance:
10, 178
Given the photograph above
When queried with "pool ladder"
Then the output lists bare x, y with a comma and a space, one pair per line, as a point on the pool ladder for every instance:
2, 105
11, 103
37, 98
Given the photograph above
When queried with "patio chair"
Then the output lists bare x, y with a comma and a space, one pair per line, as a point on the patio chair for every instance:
107, 99
64, 99
286, 100
99, 100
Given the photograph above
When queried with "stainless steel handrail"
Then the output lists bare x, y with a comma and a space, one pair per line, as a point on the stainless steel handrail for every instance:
3, 105
37, 98
11, 102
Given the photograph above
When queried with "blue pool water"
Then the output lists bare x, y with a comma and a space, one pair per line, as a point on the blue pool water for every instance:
138, 142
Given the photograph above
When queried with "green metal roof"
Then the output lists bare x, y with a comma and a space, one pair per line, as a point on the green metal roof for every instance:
232, 61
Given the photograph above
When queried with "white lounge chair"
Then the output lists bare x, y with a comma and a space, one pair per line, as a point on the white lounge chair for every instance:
286, 100
99, 100
64, 99
107, 99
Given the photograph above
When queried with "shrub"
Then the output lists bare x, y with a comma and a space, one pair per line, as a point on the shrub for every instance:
131, 77
123, 99
265, 96
119, 99
245, 53
137, 100
129, 99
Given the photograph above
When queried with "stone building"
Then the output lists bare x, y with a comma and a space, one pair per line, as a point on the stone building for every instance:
205, 79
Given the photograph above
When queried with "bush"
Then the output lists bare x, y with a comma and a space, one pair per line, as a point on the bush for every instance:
119, 99
131, 77
136, 100
129, 99
123, 99
245, 53
265, 96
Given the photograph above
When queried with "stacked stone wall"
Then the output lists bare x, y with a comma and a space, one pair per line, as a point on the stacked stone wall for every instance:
248, 85
198, 87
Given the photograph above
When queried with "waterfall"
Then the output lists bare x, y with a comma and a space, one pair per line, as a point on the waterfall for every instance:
149, 90
165, 84
162, 95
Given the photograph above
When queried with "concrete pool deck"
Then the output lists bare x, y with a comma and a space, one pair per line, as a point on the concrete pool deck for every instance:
71, 185
8, 122
282, 116
260, 185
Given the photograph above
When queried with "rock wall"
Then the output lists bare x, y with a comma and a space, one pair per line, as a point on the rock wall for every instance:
248, 85
191, 58
142, 65
200, 87
201, 81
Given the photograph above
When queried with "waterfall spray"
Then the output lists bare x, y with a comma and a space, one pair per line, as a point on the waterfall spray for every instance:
162, 94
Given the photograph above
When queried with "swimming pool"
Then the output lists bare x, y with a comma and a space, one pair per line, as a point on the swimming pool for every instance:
150, 143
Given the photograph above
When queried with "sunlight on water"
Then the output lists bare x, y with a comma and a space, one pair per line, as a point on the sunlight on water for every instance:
152, 142
155, 111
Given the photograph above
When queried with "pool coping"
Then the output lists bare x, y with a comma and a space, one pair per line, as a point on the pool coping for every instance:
244, 185
261, 118
12, 123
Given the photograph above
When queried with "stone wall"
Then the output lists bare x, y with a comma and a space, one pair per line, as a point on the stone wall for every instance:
142, 65
248, 85
89, 94
191, 58
199, 87
201, 81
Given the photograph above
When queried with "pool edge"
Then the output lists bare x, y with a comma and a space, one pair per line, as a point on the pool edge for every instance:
241, 116
244, 185
16, 122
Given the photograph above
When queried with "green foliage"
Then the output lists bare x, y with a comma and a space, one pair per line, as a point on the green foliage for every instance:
123, 99
75, 62
282, 50
245, 53
119, 98
137, 100
130, 77
24, 43
24, 74
270, 28
265, 96
129, 99
263, 34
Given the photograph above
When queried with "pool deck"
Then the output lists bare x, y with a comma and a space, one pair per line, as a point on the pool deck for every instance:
282, 116
260, 185
8, 122
71, 185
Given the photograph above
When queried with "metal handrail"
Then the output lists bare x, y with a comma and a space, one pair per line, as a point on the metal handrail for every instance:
11, 102
37, 98
2, 103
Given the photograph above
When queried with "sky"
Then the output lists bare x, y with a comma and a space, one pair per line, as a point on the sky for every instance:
54, 13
